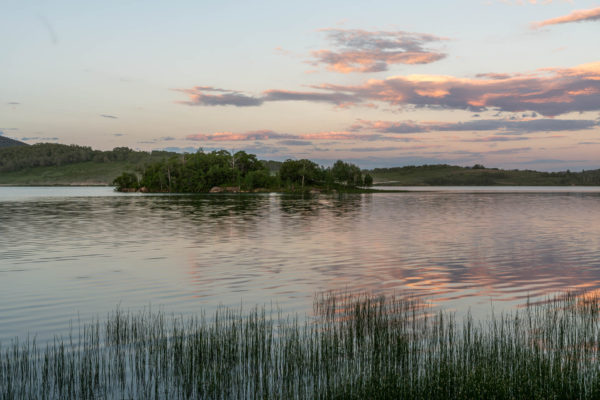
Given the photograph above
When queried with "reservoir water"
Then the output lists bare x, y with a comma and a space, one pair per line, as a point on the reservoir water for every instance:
68, 255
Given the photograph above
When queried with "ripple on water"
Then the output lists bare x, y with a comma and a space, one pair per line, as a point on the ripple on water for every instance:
65, 257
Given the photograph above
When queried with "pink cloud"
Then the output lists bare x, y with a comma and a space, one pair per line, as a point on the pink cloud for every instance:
344, 135
364, 51
262, 135
512, 126
592, 14
548, 91
237, 137
551, 91
211, 96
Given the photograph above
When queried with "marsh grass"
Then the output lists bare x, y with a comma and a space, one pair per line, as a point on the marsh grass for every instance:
355, 347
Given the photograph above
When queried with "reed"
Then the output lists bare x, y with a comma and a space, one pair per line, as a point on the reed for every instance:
354, 347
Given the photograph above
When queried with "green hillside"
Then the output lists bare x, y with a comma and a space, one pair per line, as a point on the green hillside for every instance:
59, 164
448, 175
83, 173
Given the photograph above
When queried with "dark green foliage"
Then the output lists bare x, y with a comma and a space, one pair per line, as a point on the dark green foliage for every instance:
347, 173
51, 154
300, 172
355, 347
273, 166
195, 173
200, 172
259, 179
447, 175
368, 180
127, 180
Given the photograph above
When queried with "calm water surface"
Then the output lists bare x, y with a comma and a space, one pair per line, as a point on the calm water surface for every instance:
69, 254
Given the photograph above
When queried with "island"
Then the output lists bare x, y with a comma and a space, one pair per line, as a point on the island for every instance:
221, 171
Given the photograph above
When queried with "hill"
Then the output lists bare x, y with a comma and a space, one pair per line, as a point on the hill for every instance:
59, 164
8, 142
449, 175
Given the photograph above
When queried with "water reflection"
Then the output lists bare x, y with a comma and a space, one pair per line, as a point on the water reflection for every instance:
60, 256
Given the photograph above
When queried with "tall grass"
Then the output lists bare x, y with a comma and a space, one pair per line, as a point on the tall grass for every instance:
356, 347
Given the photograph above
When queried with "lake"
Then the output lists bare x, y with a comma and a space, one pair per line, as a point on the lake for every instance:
70, 254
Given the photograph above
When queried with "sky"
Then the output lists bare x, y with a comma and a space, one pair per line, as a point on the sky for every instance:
503, 83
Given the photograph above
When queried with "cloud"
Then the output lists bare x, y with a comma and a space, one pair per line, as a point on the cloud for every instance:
391, 127
372, 131
387, 148
507, 126
492, 139
525, 126
549, 92
3, 130
593, 14
509, 151
281, 50
291, 139
108, 116
238, 137
293, 142
548, 161
349, 135
199, 97
363, 51
155, 140
27, 139
336, 98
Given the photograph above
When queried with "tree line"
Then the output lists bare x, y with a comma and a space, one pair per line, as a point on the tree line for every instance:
53, 154
201, 172
479, 175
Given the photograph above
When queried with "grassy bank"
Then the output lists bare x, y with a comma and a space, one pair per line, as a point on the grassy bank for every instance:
60, 164
356, 348
78, 174
450, 175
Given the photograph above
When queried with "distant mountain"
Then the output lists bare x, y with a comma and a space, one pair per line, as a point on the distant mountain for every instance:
7, 142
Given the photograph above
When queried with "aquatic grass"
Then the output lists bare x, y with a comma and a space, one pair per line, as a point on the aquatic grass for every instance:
353, 347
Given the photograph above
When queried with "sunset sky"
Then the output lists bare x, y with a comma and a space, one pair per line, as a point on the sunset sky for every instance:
504, 83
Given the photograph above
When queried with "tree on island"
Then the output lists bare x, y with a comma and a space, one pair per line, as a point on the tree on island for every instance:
349, 174
300, 172
368, 180
127, 180
201, 172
